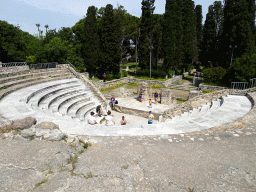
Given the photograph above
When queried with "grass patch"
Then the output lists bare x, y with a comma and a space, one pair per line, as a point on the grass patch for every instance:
179, 89
41, 182
125, 166
102, 120
90, 175
181, 100
23, 77
31, 137
205, 91
133, 84
191, 189
85, 144
190, 77
6, 129
94, 79
156, 86
4, 87
147, 78
113, 87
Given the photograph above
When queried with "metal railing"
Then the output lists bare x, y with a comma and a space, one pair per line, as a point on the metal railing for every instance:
13, 64
252, 82
238, 86
71, 65
43, 65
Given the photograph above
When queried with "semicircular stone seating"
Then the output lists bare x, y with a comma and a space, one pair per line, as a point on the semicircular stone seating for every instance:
69, 97
56, 95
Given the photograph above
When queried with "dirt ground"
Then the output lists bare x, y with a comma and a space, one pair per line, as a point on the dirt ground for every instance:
182, 94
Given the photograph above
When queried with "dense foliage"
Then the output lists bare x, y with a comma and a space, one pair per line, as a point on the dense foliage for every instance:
108, 37
213, 74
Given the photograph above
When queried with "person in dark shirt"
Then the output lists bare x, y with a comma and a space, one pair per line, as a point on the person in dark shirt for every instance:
156, 97
99, 110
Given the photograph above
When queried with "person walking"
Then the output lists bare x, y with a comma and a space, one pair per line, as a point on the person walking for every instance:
150, 103
104, 77
140, 96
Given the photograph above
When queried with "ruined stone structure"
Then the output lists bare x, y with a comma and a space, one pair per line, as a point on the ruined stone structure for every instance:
146, 89
167, 97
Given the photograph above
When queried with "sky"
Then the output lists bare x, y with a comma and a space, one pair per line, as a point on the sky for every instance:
66, 13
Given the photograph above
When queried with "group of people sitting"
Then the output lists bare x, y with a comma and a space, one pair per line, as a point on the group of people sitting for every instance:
108, 117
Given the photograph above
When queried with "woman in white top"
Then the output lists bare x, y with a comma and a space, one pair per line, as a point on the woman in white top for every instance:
109, 119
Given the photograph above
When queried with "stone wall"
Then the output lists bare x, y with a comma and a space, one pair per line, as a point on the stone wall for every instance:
210, 87
101, 85
14, 69
167, 97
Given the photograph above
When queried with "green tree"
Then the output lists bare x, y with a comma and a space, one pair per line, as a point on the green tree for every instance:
199, 27
109, 33
189, 32
57, 50
172, 34
146, 28
13, 46
238, 28
208, 42
91, 41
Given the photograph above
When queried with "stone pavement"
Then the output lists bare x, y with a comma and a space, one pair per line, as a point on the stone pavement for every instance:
221, 158
223, 161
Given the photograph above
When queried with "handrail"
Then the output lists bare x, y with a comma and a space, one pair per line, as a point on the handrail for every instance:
13, 64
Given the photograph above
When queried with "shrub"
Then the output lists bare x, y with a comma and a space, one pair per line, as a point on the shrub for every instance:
170, 73
117, 76
213, 74
125, 73
109, 77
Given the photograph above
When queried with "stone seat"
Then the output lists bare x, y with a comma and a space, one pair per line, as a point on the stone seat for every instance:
8, 77
8, 90
56, 104
46, 102
38, 95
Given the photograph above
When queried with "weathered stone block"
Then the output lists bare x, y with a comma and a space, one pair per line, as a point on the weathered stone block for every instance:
23, 123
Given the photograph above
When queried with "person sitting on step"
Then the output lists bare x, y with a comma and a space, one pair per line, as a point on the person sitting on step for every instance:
123, 121
109, 119
92, 119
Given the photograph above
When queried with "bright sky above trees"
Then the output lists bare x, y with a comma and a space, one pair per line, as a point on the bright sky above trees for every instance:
65, 13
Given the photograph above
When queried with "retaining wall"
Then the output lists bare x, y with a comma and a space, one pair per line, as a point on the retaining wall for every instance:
14, 69
101, 85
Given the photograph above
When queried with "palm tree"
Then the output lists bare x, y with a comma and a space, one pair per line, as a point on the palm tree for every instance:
46, 26
38, 25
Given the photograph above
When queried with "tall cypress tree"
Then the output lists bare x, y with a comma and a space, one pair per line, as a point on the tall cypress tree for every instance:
109, 41
199, 27
189, 31
172, 34
209, 33
145, 39
237, 29
91, 41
